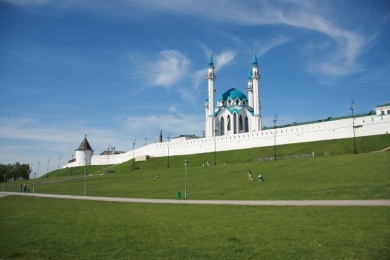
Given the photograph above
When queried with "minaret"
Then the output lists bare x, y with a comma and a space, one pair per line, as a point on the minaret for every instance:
209, 106
250, 89
256, 126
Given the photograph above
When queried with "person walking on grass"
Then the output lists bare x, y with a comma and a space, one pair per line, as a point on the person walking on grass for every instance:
250, 176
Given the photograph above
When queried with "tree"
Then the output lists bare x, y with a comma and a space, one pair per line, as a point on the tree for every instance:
14, 171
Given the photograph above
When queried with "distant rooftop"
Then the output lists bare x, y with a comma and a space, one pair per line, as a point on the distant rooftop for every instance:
321, 120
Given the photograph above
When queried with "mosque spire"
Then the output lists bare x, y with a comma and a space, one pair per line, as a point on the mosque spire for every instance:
250, 74
211, 62
254, 61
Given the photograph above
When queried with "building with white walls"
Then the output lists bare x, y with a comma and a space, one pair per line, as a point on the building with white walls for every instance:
233, 122
233, 113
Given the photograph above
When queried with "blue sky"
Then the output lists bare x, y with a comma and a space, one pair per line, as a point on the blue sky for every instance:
122, 70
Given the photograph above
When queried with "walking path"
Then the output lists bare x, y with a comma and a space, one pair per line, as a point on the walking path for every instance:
215, 202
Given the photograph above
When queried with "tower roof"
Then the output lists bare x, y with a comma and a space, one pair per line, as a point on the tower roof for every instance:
254, 61
84, 146
211, 62
250, 74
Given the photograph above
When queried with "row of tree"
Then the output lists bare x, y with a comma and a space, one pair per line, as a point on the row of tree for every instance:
13, 172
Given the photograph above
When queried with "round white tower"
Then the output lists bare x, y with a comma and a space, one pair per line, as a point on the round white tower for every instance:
83, 153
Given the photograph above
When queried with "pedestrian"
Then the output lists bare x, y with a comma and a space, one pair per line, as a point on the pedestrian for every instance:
25, 188
250, 176
20, 188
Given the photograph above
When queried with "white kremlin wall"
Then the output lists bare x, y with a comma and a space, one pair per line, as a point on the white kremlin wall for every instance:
373, 124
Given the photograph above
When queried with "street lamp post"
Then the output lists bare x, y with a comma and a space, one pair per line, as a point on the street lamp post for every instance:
169, 139
108, 156
185, 179
145, 140
29, 171
353, 124
59, 159
47, 168
35, 174
85, 173
215, 145
275, 120
134, 141
71, 168
3, 181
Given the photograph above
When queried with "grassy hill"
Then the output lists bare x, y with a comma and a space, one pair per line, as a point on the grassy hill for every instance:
341, 175
42, 228
320, 148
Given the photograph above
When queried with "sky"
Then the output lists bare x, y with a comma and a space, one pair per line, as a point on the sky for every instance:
122, 70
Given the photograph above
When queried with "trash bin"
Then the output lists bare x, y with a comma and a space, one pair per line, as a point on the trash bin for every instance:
178, 195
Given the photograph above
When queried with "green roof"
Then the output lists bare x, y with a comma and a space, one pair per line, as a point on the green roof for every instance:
211, 62
321, 120
233, 94
384, 105
254, 62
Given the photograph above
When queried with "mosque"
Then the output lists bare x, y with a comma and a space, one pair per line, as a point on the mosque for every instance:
234, 113
234, 122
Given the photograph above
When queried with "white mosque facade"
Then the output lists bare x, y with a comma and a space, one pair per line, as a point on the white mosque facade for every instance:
234, 113
234, 122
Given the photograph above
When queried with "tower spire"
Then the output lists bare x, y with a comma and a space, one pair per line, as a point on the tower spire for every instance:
211, 62
250, 74
254, 61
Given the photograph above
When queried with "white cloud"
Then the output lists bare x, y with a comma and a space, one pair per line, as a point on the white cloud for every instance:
29, 2
170, 67
166, 69
341, 58
267, 45
224, 58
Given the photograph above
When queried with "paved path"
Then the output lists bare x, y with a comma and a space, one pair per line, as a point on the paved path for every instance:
215, 202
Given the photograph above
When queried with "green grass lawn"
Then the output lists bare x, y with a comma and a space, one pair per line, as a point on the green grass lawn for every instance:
362, 176
41, 228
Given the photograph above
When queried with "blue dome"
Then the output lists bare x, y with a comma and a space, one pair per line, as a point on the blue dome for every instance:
233, 94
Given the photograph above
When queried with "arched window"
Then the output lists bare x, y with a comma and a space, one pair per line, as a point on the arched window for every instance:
234, 123
246, 125
237, 101
228, 123
222, 126
240, 123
